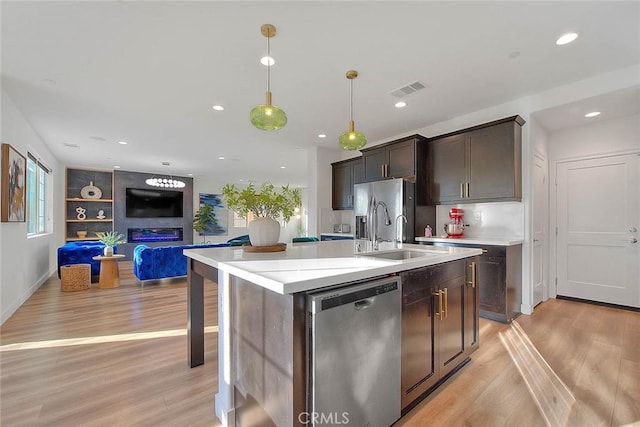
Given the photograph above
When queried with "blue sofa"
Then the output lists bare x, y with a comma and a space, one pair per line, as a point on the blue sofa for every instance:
81, 253
163, 261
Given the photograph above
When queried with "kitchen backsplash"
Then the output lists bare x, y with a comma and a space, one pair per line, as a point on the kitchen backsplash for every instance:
329, 218
483, 220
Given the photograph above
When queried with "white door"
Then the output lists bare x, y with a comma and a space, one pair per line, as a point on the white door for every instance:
540, 226
598, 254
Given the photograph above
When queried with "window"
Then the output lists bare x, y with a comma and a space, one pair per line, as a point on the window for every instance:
37, 188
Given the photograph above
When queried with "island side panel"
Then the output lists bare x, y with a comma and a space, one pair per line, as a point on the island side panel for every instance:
195, 315
269, 368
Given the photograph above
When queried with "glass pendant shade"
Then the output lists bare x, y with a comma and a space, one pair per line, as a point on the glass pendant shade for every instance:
268, 116
352, 139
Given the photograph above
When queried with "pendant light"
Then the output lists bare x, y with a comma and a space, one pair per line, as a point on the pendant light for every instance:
352, 139
268, 116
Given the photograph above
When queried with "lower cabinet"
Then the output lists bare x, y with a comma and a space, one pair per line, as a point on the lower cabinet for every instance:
439, 325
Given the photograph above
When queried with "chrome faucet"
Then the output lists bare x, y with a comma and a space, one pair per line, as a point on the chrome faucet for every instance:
397, 241
374, 222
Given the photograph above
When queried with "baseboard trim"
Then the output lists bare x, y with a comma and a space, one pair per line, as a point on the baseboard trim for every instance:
25, 296
604, 304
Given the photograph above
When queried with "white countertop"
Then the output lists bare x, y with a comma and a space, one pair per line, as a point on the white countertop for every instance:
310, 266
493, 241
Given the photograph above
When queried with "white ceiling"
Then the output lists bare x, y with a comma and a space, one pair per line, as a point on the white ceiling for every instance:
93, 73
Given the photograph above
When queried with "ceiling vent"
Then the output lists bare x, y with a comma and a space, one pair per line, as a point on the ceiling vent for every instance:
408, 89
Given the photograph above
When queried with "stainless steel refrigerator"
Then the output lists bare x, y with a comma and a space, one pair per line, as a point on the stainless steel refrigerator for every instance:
397, 196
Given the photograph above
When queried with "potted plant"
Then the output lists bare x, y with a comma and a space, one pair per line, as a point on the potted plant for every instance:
110, 239
203, 219
266, 205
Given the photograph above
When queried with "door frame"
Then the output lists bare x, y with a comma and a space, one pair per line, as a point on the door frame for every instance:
545, 257
553, 211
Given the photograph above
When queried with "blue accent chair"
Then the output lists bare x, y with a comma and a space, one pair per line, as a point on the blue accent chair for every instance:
239, 241
81, 253
304, 239
163, 261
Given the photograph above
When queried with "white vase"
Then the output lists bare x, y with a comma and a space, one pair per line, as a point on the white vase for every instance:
108, 251
264, 232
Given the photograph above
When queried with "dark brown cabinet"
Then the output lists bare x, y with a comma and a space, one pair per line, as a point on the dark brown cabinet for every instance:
439, 325
402, 158
344, 175
498, 273
478, 164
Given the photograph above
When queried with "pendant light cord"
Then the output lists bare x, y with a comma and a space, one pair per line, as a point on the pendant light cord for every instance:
268, 61
351, 81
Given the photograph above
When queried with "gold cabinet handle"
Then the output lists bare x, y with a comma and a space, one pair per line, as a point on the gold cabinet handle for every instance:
467, 195
472, 282
439, 313
382, 170
461, 190
446, 302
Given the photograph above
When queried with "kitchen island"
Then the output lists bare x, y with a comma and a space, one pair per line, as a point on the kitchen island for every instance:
263, 355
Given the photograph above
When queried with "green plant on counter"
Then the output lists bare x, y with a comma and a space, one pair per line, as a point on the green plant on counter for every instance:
266, 203
111, 238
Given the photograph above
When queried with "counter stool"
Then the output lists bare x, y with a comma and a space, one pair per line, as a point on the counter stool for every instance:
75, 277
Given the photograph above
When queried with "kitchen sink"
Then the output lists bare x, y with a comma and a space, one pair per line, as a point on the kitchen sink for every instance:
398, 255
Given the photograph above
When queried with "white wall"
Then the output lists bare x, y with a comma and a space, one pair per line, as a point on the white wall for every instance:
598, 137
25, 263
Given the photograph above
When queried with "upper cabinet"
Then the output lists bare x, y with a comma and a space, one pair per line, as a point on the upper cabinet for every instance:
479, 164
396, 159
345, 174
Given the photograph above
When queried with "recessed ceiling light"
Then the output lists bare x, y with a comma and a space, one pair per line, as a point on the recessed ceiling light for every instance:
116, 167
267, 60
98, 138
401, 104
123, 142
592, 114
241, 180
566, 38
190, 174
283, 167
322, 135
218, 107
221, 158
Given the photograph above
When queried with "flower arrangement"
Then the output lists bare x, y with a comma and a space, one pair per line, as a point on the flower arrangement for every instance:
111, 238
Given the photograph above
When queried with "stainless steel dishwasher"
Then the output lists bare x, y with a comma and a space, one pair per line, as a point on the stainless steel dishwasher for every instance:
354, 344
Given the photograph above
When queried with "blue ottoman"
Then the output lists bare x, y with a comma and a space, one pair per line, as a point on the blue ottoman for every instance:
82, 253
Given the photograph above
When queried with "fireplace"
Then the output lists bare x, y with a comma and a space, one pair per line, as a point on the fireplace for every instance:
140, 235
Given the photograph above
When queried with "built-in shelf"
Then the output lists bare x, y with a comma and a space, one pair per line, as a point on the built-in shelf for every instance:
90, 220
77, 239
76, 180
78, 199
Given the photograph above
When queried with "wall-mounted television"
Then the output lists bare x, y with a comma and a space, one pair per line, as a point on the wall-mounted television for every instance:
153, 203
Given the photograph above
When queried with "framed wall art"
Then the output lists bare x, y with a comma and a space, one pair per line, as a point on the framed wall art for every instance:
14, 179
219, 228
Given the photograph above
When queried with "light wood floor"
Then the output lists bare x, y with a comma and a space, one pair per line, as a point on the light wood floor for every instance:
98, 363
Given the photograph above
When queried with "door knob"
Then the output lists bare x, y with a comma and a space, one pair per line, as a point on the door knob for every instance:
632, 229
633, 240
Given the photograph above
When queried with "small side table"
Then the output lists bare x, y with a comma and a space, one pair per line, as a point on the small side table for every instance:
109, 272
